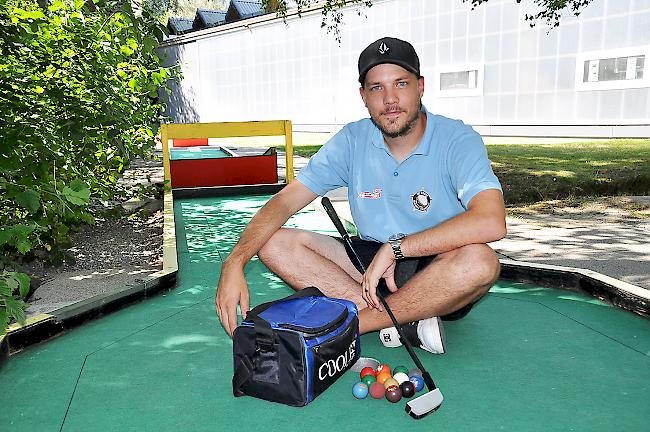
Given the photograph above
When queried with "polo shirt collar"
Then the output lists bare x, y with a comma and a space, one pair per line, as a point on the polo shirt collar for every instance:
423, 148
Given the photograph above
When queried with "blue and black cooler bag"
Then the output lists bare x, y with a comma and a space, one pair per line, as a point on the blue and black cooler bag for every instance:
291, 350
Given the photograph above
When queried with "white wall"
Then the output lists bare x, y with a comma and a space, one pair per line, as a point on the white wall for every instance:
296, 71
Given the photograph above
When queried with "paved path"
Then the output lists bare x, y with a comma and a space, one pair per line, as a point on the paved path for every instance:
620, 250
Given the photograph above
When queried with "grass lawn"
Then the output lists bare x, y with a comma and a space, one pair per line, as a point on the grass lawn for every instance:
540, 172
531, 173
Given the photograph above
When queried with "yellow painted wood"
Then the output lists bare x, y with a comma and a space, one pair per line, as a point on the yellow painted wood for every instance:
225, 129
288, 140
170, 259
30, 321
165, 147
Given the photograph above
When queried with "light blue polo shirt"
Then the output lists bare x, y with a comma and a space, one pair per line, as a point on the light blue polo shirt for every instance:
434, 183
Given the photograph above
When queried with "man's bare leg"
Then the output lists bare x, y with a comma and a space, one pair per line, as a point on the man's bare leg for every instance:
304, 258
451, 281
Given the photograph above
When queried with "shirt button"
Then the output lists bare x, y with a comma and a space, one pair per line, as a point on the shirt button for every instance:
395, 174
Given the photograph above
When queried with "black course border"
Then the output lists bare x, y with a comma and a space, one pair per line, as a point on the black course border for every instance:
76, 314
206, 192
612, 291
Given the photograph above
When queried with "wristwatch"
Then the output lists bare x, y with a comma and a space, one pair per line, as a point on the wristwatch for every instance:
395, 241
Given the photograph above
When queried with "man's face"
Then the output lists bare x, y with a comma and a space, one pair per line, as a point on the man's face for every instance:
392, 95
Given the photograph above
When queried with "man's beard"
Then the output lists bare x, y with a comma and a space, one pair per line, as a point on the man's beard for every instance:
400, 132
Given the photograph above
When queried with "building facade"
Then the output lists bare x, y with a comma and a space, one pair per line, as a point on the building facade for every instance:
589, 77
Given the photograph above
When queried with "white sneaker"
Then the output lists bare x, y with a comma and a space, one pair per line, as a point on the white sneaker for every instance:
428, 334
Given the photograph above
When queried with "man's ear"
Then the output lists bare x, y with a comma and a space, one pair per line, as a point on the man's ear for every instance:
363, 96
421, 85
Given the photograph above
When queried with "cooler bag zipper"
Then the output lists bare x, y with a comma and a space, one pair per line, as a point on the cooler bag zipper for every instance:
310, 333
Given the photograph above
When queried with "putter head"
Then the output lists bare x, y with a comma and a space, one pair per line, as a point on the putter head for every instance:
425, 404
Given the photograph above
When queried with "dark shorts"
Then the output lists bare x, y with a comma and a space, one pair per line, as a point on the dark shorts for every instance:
404, 270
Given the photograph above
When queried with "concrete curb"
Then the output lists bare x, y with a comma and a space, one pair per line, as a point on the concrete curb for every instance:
45, 326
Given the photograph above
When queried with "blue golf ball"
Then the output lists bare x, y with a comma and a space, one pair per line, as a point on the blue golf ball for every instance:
418, 382
360, 390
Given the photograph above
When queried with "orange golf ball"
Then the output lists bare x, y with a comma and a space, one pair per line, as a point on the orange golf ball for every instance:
383, 376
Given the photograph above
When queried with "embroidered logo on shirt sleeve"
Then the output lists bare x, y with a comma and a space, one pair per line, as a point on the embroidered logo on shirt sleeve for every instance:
421, 201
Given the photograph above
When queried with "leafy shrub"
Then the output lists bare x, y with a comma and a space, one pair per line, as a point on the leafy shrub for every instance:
13, 288
79, 86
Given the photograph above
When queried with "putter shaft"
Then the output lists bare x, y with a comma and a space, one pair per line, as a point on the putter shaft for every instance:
348, 241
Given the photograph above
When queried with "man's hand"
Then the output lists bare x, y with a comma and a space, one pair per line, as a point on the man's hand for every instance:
232, 290
382, 266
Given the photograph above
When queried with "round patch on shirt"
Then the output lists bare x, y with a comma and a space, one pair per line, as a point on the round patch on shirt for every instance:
421, 201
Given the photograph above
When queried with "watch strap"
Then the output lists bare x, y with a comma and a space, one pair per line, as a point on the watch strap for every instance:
396, 245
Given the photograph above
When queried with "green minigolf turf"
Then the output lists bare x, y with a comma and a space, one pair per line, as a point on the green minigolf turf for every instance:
525, 358
198, 153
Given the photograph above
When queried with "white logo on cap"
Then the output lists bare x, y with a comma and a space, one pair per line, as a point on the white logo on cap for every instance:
383, 48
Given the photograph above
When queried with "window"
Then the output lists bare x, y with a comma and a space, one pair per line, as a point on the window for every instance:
466, 80
621, 69
458, 80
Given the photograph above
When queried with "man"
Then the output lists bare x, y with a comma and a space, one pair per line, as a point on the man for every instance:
422, 195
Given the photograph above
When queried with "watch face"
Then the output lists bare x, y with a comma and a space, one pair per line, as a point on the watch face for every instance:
398, 236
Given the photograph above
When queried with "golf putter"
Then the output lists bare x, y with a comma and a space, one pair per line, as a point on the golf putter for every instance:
421, 405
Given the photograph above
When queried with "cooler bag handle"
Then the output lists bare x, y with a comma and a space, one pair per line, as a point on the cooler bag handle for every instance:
264, 336
306, 292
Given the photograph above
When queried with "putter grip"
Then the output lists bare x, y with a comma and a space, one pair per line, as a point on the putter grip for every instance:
327, 204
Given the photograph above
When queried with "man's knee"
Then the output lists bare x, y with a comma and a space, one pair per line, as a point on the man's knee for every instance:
277, 244
479, 264
483, 265
281, 243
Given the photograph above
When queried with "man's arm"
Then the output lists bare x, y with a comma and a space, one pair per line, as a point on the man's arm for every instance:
483, 222
232, 289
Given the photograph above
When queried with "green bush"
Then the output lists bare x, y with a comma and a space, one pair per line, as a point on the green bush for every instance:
79, 86
13, 288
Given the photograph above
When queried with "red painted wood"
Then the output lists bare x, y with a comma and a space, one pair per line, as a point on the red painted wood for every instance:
190, 142
229, 171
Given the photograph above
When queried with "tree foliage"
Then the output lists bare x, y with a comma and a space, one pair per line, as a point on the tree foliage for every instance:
332, 16
549, 11
163, 9
78, 101
13, 288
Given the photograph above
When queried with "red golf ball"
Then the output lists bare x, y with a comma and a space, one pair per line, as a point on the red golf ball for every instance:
377, 390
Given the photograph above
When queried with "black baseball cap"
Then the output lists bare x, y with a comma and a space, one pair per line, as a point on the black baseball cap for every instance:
388, 50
